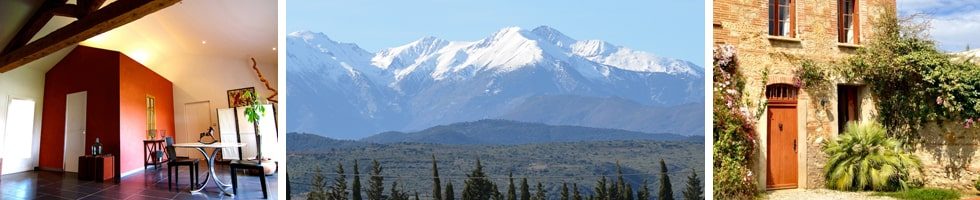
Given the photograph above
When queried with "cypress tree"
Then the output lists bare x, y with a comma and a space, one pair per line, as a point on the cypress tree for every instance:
356, 186
540, 193
644, 193
666, 193
620, 189
319, 190
417, 195
450, 194
397, 194
496, 194
575, 194
564, 191
339, 189
694, 189
628, 194
613, 192
511, 193
525, 194
600, 189
478, 186
436, 185
376, 182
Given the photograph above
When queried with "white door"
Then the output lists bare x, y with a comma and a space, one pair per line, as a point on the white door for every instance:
18, 138
75, 129
197, 119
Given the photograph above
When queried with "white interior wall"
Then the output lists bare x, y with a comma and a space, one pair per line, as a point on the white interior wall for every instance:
208, 78
24, 83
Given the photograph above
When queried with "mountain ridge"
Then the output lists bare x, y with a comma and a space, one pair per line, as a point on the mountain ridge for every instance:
340, 89
509, 132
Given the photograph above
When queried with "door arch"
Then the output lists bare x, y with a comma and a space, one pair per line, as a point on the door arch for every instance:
781, 133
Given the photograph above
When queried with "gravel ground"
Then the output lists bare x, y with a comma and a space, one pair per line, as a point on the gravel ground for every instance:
801, 194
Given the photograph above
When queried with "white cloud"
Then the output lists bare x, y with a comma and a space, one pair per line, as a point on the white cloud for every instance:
918, 4
937, 7
955, 23
954, 32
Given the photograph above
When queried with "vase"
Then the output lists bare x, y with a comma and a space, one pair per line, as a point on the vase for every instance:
97, 147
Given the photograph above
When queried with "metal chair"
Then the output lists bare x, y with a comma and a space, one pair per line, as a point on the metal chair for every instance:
174, 163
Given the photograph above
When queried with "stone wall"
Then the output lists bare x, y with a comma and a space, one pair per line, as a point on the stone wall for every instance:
744, 24
949, 155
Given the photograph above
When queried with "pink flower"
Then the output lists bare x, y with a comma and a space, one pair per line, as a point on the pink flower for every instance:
939, 100
968, 123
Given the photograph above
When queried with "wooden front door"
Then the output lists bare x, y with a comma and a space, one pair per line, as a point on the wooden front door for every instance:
782, 139
783, 147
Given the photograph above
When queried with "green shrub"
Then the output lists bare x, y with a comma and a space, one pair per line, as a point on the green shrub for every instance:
863, 158
913, 82
976, 184
734, 130
924, 194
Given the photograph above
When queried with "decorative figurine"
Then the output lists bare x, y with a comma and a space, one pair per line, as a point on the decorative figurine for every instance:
207, 137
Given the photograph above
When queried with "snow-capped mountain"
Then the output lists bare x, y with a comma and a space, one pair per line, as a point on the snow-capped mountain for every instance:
343, 91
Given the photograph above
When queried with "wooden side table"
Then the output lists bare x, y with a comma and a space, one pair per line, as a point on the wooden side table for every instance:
96, 167
150, 149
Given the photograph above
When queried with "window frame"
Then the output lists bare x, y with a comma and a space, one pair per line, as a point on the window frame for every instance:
855, 19
774, 19
20, 139
151, 113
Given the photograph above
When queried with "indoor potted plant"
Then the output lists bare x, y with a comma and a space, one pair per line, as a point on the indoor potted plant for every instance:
254, 110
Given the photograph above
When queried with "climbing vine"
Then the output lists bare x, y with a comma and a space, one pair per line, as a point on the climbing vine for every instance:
912, 81
812, 76
733, 128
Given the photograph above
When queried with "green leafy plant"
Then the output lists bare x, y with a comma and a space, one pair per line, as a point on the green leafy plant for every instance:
924, 194
733, 128
912, 81
976, 184
811, 76
864, 158
254, 110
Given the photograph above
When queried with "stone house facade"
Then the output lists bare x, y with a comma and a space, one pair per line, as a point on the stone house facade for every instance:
772, 39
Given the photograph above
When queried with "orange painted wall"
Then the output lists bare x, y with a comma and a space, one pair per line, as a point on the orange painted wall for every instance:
135, 83
84, 69
117, 87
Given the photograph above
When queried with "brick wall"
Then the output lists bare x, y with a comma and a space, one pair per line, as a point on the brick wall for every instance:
744, 24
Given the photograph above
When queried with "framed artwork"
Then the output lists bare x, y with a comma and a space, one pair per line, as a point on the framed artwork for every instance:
234, 96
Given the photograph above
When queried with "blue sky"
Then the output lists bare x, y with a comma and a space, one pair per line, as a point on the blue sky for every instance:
954, 23
665, 28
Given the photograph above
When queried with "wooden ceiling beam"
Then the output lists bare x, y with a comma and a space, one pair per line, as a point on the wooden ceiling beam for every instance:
33, 25
79, 10
89, 6
68, 10
102, 20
